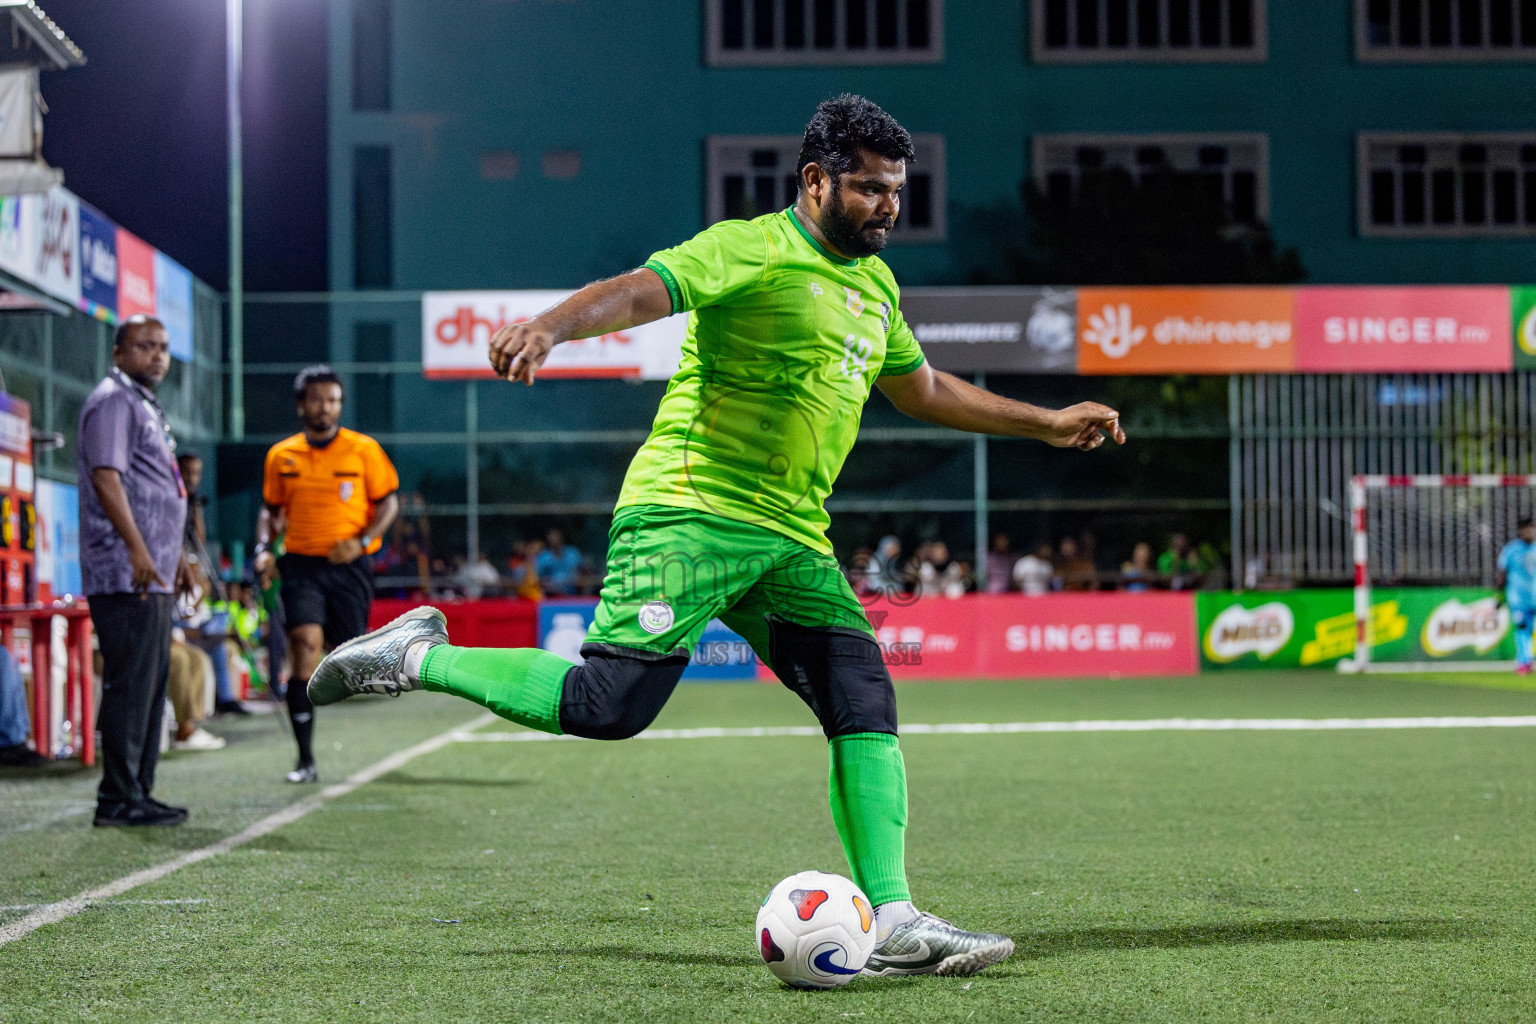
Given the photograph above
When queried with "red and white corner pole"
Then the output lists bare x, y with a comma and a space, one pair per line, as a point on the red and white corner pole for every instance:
1357, 492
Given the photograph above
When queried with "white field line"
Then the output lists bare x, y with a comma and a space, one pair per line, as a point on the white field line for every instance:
52, 912
1133, 725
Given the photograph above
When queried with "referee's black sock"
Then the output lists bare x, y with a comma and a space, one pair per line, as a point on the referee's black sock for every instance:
301, 711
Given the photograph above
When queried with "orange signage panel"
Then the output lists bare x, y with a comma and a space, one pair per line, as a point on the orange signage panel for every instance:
1186, 330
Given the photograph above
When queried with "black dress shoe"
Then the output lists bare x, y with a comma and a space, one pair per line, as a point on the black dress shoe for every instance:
140, 815
167, 807
20, 756
229, 707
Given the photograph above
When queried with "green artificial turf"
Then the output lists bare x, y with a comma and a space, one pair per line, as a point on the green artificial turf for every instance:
1163, 876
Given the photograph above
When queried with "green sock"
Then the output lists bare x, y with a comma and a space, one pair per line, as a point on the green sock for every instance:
869, 808
521, 684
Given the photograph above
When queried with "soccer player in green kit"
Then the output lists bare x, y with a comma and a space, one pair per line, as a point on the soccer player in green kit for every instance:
793, 318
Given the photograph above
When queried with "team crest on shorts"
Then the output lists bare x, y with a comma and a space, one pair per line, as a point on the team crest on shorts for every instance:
346, 491
655, 616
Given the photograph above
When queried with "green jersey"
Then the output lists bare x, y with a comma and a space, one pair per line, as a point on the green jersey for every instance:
784, 342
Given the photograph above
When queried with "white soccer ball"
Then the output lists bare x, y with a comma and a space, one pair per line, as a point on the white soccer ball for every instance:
816, 930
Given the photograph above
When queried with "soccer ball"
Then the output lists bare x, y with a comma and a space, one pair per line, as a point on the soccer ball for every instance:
816, 930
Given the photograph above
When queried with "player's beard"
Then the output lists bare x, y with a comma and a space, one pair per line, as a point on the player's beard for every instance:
848, 235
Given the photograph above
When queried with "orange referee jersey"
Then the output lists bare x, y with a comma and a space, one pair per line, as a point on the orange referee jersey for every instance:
327, 494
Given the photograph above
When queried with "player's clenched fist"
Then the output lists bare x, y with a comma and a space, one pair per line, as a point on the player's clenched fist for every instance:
518, 350
1085, 426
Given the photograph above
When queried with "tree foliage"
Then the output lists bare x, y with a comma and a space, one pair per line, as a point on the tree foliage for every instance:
1168, 228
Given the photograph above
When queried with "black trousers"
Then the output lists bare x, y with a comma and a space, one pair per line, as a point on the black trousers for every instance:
135, 636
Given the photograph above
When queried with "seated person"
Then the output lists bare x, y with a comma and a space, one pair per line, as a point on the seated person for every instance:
1138, 574
1180, 565
15, 721
1033, 573
187, 687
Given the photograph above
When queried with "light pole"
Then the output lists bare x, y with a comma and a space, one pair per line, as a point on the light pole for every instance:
233, 15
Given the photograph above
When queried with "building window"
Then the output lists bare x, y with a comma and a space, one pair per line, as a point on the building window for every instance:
500, 164
561, 164
1434, 30
750, 175
1235, 166
1087, 31
777, 32
1447, 186
370, 54
372, 216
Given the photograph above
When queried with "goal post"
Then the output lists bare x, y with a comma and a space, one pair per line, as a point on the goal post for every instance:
1435, 530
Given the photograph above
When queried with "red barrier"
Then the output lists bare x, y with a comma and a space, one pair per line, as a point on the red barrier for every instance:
505, 622
79, 682
1010, 636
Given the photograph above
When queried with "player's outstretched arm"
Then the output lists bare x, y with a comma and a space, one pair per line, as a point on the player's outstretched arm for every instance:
934, 396
629, 300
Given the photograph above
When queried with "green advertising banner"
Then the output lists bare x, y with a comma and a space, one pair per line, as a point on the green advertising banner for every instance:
1522, 304
1308, 628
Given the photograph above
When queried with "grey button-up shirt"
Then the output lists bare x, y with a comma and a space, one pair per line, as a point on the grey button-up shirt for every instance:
122, 427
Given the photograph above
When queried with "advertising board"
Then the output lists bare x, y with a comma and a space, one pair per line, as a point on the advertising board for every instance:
135, 275
1403, 330
1522, 308
98, 264
1185, 330
1010, 636
994, 330
173, 304
1311, 628
720, 654
456, 331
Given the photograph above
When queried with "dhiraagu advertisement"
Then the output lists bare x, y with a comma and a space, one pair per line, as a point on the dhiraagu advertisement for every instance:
1309, 628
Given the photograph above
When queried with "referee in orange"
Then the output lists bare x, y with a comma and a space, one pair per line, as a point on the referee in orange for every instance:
331, 494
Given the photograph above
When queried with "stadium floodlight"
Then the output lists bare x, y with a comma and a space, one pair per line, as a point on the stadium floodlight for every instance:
1435, 530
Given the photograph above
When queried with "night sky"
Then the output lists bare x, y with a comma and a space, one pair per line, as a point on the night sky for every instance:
140, 130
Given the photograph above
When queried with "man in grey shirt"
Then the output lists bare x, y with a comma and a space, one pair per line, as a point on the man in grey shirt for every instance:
132, 509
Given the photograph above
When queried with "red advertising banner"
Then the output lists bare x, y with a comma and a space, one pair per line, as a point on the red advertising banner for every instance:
135, 276
1403, 330
1009, 636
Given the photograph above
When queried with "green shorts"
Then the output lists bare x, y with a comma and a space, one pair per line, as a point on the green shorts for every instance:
672, 570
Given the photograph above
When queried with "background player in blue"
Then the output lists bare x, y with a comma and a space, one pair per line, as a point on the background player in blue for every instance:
1517, 575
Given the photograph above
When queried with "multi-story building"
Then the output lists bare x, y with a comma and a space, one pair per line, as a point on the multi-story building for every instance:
543, 143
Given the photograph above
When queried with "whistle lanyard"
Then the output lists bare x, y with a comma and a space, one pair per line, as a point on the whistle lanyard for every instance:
158, 414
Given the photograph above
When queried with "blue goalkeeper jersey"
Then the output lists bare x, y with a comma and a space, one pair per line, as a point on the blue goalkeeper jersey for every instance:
1518, 560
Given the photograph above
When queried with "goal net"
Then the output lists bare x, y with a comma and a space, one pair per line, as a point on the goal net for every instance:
1426, 552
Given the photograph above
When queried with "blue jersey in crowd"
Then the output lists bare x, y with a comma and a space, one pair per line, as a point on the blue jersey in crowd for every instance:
1518, 560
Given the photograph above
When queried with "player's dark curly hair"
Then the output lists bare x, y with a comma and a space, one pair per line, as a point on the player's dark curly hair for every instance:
845, 125
320, 374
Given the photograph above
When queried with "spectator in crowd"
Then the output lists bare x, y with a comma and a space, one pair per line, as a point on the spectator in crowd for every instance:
1138, 574
15, 723
937, 573
1074, 568
524, 571
187, 687
999, 564
191, 466
1180, 566
133, 508
477, 579
860, 569
886, 576
1034, 573
559, 566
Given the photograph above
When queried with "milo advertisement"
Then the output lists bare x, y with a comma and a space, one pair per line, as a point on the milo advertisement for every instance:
1522, 302
1307, 628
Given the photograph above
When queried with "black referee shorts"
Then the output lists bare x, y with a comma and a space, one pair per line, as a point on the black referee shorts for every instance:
334, 597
